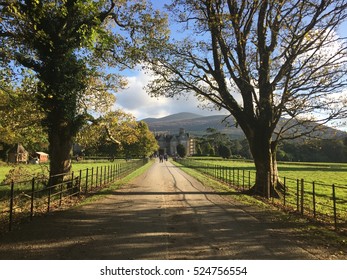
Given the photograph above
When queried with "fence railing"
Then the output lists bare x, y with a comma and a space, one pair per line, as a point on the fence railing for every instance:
25, 199
322, 202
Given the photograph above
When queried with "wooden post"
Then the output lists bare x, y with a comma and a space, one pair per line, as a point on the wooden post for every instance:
79, 182
101, 176
268, 192
297, 194
334, 206
314, 199
11, 206
243, 179
238, 177
61, 193
96, 176
92, 179
86, 187
302, 197
32, 198
224, 177
49, 199
285, 191
233, 176
72, 182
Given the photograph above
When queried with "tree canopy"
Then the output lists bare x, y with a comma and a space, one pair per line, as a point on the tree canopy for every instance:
261, 61
67, 45
121, 133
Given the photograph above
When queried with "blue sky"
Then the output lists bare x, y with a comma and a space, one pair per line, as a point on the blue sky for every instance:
135, 100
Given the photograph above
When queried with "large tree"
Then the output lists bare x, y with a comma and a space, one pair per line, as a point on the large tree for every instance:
260, 60
65, 43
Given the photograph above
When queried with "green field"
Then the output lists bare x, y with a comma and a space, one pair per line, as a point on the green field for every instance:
35, 169
321, 173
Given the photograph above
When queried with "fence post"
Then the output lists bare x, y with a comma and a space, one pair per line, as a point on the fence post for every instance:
297, 194
334, 205
92, 179
314, 198
11, 206
233, 176
243, 179
32, 198
49, 199
79, 182
285, 191
302, 196
268, 190
61, 193
101, 168
86, 188
238, 177
223, 175
96, 176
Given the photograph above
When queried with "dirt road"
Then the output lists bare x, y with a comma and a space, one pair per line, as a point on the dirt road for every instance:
162, 214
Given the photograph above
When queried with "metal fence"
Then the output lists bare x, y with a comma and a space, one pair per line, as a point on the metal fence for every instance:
25, 199
322, 202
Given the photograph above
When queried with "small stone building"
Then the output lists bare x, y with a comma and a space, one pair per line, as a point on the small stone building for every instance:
18, 154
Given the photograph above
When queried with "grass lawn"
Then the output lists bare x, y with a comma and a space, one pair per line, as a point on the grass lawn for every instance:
35, 169
321, 173
4, 169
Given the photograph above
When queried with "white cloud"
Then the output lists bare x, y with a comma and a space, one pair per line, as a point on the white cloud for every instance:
136, 101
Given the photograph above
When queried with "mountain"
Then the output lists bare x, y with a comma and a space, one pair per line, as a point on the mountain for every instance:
179, 117
194, 124
197, 125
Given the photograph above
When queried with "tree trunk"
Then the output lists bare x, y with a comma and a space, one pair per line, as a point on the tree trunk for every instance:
264, 155
60, 151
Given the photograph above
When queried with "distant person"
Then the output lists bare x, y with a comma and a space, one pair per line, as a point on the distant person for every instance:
161, 158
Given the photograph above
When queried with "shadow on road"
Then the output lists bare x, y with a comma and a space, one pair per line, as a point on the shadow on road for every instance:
119, 231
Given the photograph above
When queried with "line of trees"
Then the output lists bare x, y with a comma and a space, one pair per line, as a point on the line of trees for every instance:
318, 150
215, 143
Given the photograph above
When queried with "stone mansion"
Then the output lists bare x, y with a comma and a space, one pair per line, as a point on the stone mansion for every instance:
168, 143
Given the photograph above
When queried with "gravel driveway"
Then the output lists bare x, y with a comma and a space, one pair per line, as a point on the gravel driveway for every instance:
162, 214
